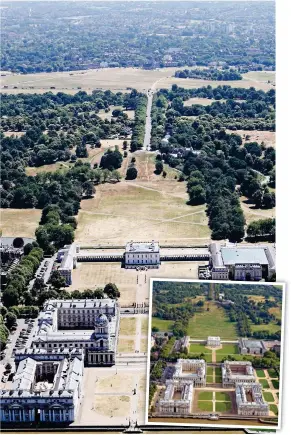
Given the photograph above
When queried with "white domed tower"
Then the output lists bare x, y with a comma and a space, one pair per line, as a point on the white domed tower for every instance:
101, 327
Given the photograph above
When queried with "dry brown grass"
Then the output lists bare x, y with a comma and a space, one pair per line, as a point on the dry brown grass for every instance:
14, 133
19, 222
197, 100
118, 79
113, 405
253, 214
127, 326
125, 345
268, 137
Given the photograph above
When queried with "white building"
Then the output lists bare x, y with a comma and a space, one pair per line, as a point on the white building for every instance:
235, 372
142, 254
68, 259
88, 324
241, 263
213, 341
177, 398
44, 390
250, 401
193, 370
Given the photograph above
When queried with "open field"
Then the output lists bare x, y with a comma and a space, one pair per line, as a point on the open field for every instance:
268, 137
161, 324
209, 322
19, 222
119, 79
197, 100
127, 326
253, 214
125, 345
31, 171
129, 210
270, 327
199, 348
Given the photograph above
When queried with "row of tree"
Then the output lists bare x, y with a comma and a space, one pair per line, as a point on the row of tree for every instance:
209, 74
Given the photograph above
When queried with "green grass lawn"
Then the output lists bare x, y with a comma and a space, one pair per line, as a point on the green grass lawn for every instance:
205, 395
278, 395
222, 397
162, 325
264, 383
272, 373
209, 371
272, 328
274, 409
268, 396
275, 384
210, 322
207, 356
199, 348
260, 373
205, 405
209, 379
218, 374
228, 349
222, 406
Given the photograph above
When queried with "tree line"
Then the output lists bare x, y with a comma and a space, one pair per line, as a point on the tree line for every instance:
209, 74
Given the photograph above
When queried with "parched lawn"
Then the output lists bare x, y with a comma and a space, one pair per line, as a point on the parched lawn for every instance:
125, 346
209, 322
260, 373
273, 373
222, 406
274, 409
268, 396
199, 348
205, 405
127, 326
276, 384
161, 324
205, 395
19, 222
264, 383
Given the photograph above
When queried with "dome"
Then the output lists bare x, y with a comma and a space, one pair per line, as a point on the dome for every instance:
101, 320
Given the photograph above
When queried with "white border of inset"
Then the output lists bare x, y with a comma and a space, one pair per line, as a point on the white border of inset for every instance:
221, 426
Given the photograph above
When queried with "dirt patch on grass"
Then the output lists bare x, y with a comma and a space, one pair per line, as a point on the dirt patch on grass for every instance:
114, 405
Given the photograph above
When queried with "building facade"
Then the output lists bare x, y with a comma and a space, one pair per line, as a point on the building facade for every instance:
213, 342
193, 370
86, 324
177, 398
250, 401
251, 347
146, 254
235, 372
68, 259
44, 390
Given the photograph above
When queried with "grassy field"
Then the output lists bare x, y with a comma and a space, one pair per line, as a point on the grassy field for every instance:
205, 405
222, 406
260, 373
276, 384
205, 395
222, 396
197, 100
274, 409
120, 79
199, 348
218, 376
125, 345
228, 349
127, 326
138, 208
253, 214
19, 222
264, 383
209, 322
268, 137
273, 373
271, 327
162, 325
268, 396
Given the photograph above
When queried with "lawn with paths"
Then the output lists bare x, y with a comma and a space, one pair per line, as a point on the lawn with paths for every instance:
205, 395
220, 396
275, 384
268, 396
260, 373
199, 348
222, 406
205, 405
218, 375
264, 383
274, 409
272, 373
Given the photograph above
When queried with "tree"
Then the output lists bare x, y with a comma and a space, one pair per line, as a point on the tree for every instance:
18, 242
27, 248
112, 291
11, 320
10, 297
88, 188
159, 167
57, 280
131, 173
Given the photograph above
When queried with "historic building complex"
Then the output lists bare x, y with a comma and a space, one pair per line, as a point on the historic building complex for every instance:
213, 341
193, 370
142, 254
234, 372
68, 259
177, 398
251, 347
72, 334
241, 263
250, 401
91, 325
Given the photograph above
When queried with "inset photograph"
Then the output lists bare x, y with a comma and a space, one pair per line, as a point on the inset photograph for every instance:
215, 353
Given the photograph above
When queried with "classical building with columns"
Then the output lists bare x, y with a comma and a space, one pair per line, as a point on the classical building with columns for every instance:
88, 324
145, 254
213, 341
250, 400
44, 390
177, 398
193, 370
234, 372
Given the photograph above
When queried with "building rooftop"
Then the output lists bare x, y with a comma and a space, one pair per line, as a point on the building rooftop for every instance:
142, 247
247, 255
252, 343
